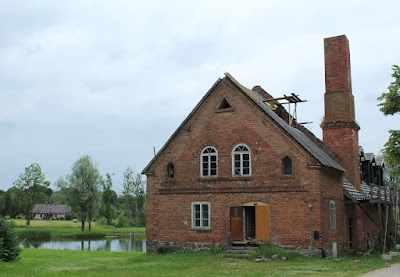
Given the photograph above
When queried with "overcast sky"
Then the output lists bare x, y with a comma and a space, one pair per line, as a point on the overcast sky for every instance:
113, 79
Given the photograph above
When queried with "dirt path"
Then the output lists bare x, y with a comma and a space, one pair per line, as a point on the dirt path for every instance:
390, 271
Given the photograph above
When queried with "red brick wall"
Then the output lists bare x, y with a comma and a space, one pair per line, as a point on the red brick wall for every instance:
340, 130
169, 202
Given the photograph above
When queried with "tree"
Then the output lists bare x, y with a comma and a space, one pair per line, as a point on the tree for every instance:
139, 192
32, 183
127, 190
60, 196
391, 106
391, 99
84, 193
107, 209
9, 245
11, 203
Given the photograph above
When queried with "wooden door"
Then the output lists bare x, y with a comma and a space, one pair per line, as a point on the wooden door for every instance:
262, 223
236, 215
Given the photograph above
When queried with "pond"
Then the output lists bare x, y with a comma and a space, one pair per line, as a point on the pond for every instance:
113, 245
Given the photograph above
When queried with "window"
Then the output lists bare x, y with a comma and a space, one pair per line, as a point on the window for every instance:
209, 159
241, 164
201, 215
287, 166
333, 214
170, 171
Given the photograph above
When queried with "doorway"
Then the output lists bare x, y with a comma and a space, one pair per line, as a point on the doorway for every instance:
250, 222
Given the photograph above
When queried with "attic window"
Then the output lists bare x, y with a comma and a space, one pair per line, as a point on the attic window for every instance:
287, 166
170, 171
224, 106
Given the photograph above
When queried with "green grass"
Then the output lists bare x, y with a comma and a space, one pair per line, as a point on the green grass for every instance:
35, 262
69, 229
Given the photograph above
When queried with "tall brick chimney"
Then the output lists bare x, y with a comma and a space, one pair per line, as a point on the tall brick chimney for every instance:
340, 130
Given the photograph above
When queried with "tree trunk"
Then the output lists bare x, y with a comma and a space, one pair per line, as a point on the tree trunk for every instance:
83, 225
28, 220
90, 226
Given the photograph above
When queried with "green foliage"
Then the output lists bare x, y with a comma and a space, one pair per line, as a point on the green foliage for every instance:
103, 263
33, 186
83, 190
9, 245
165, 249
391, 106
121, 221
34, 234
108, 198
391, 150
391, 99
134, 197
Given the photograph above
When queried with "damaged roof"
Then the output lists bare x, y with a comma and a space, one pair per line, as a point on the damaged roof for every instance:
299, 136
311, 147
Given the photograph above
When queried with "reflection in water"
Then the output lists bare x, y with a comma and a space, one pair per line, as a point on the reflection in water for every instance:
113, 245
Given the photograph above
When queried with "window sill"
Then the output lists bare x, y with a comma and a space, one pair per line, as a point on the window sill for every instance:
202, 230
222, 179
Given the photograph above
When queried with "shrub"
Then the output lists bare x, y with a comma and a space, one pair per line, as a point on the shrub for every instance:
121, 221
9, 245
164, 249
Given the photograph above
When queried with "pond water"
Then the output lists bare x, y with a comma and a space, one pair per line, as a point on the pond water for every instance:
113, 245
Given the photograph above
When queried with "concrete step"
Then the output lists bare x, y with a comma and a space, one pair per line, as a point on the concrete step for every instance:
239, 252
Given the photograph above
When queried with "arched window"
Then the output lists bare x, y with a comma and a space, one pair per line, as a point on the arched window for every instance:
170, 171
209, 162
287, 166
241, 161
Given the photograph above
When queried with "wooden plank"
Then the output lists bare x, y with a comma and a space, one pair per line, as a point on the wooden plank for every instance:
236, 215
262, 223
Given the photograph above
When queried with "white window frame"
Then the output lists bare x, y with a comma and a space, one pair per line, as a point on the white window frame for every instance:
200, 217
209, 156
332, 209
241, 154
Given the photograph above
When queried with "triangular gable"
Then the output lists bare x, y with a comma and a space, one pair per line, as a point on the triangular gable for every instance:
319, 154
180, 126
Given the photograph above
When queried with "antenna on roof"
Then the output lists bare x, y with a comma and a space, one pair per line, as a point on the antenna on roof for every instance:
291, 99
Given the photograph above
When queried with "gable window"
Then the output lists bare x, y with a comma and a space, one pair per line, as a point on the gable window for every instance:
333, 214
287, 166
241, 163
209, 162
201, 215
170, 171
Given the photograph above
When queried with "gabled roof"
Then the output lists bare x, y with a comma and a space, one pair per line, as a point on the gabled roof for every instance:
319, 154
297, 135
51, 209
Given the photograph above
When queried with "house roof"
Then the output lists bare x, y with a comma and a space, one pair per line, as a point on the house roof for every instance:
352, 192
51, 209
299, 136
369, 192
311, 147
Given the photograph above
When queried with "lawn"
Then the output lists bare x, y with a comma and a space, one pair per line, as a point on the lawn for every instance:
70, 229
36, 262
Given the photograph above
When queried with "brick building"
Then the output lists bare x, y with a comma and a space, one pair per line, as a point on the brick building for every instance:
240, 168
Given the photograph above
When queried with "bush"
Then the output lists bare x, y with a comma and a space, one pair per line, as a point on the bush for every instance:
121, 221
9, 245
164, 249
